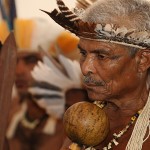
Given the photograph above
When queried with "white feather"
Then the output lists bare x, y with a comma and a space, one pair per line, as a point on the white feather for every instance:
41, 91
53, 106
44, 73
50, 64
72, 69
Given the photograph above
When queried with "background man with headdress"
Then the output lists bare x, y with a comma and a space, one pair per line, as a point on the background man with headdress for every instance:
115, 61
45, 86
25, 115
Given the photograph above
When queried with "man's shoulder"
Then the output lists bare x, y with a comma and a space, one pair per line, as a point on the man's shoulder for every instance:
146, 145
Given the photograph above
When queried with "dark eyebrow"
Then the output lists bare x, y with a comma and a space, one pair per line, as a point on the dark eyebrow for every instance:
80, 48
102, 51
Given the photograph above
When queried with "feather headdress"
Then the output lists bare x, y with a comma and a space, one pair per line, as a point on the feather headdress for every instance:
29, 34
84, 4
52, 82
101, 32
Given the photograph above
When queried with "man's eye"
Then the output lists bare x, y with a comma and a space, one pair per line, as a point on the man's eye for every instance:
83, 53
101, 56
31, 59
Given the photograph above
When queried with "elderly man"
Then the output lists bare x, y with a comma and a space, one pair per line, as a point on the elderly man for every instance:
115, 61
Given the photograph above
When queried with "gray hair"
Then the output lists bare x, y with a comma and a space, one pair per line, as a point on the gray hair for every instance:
129, 13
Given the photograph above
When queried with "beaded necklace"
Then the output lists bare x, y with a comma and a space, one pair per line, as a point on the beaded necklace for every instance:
114, 141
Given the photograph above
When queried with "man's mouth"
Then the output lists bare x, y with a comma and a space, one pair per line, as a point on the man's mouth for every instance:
87, 80
90, 85
99, 89
21, 84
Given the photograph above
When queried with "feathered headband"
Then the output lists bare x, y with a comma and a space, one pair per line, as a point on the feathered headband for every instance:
101, 32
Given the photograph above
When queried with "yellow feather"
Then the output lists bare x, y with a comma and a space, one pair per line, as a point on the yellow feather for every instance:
4, 31
23, 30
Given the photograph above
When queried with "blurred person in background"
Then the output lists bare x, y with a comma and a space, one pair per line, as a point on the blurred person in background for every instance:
24, 112
36, 113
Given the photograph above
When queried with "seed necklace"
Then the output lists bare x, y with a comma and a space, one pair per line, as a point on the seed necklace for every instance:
114, 141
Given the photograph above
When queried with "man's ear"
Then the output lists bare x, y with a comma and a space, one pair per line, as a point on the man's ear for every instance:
144, 62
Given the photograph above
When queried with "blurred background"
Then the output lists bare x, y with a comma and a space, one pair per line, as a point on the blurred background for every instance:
27, 9
48, 76
30, 8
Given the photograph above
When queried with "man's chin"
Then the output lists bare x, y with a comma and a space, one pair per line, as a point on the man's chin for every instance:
23, 92
96, 96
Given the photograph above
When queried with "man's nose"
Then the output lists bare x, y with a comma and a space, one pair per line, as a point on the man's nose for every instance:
88, 66
21, 67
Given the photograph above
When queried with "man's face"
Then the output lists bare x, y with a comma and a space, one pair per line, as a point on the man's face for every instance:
25, 63
109, 70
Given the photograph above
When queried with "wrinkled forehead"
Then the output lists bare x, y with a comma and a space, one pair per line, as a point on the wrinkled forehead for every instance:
94, 44
25, 54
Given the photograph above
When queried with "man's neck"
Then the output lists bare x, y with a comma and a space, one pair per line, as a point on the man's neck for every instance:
130, 104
